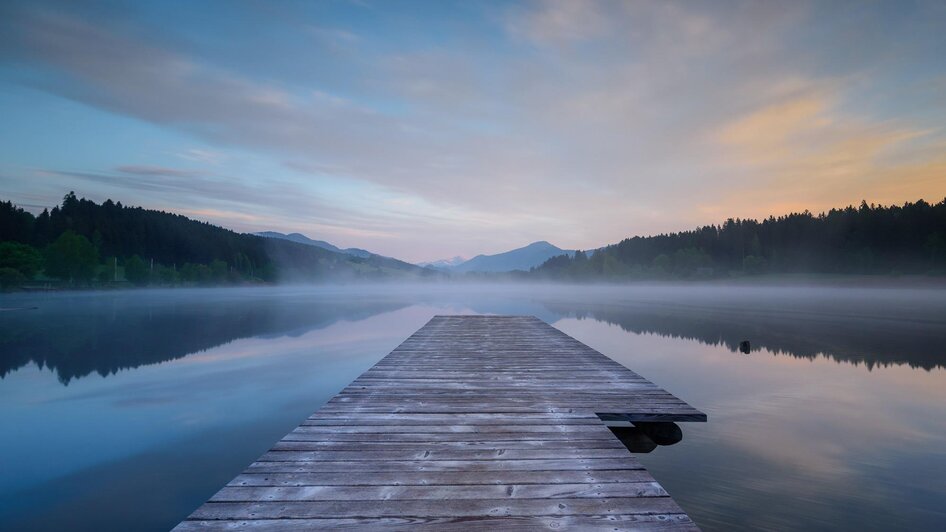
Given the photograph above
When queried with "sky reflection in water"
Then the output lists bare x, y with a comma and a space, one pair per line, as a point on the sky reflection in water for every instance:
133, 408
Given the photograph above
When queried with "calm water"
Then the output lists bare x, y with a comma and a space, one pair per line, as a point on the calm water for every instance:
127, 410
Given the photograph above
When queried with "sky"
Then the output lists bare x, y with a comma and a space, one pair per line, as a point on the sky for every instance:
425, 130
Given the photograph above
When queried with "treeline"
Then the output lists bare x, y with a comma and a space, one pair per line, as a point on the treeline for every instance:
82, 243
869, 239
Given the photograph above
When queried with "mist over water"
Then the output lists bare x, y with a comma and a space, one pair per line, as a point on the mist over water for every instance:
146, 402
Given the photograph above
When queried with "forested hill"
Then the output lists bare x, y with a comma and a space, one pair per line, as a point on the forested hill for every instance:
82, 242
870, 239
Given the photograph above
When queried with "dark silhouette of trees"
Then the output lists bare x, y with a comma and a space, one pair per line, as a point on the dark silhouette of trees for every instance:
23, 258
136, 271
71, 257
125, 231
150, 245
869, 239
159, 248
16, 225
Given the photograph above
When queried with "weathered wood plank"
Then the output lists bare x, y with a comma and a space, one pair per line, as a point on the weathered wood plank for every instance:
565, 464
421, 437
432, 478
657, 413
437, 455
438, 508
478, 422
592, 523
449, 419
439, 492
450, 429
459, 446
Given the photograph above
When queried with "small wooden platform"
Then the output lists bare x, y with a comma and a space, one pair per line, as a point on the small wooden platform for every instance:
474, 422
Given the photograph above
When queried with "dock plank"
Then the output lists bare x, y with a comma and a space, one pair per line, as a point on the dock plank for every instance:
473, 422
511, 523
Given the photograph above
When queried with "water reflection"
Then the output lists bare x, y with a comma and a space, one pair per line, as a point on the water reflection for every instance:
144, 403
873, 328
80, 334
76, 335
168, 395
792, 443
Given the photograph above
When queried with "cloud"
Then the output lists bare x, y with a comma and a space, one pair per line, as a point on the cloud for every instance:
203, 156
560, 21
162, 182
808, 154
582, 123
767, 133
157, 171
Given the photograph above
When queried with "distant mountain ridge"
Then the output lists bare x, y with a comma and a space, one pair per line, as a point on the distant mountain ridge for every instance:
524, 258
361, 255
521, 259
443, 264
302, 239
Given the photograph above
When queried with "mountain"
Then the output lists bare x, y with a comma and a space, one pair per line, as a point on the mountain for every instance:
443, 264
302, 239
359, 256
523, 259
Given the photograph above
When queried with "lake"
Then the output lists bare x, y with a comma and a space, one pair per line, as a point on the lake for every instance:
126, 410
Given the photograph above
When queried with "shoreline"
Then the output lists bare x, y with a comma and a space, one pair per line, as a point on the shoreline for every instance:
767, 281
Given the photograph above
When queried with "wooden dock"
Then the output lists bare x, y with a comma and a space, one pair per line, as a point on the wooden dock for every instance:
474, 422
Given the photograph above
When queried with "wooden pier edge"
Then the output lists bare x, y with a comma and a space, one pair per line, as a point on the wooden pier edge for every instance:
473, 423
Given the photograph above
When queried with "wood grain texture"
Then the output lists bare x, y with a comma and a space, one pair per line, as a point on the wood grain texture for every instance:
473, 423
